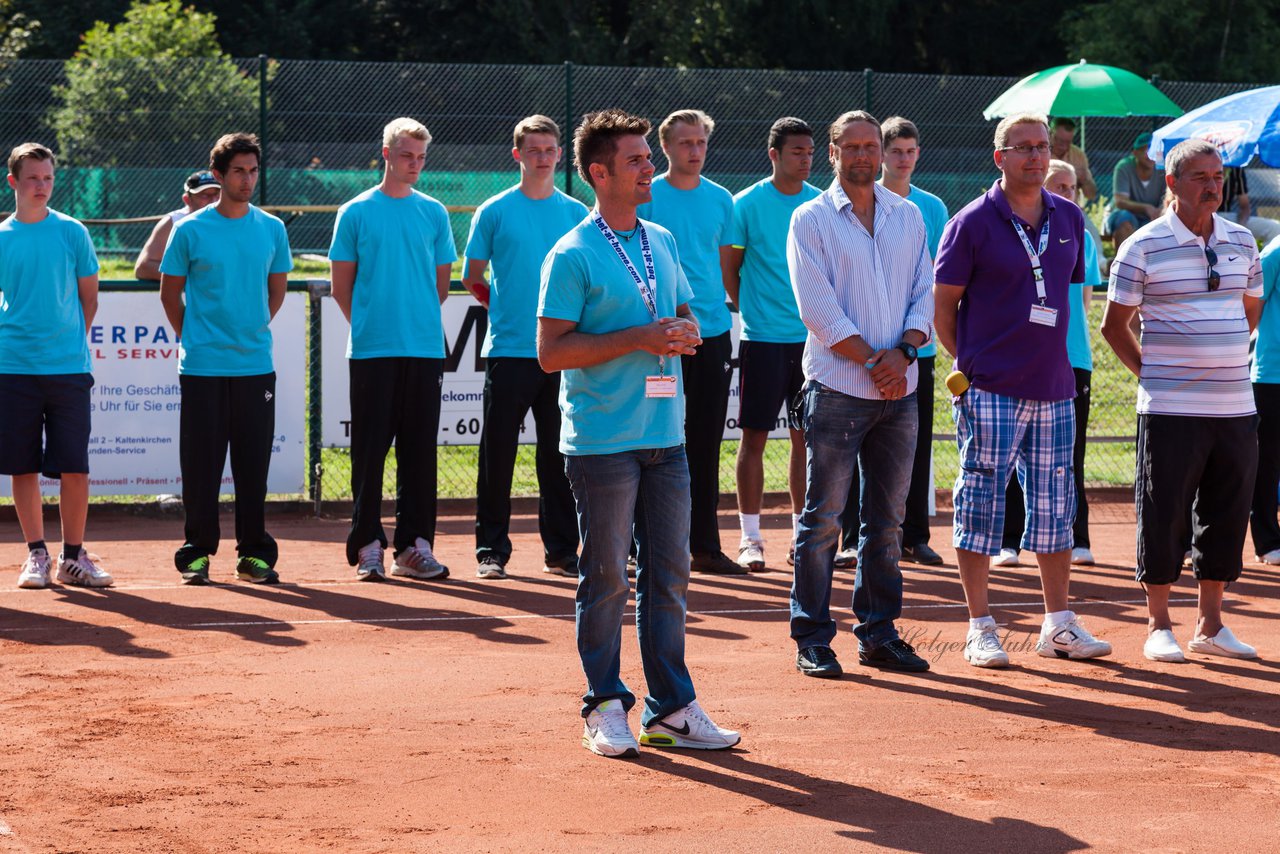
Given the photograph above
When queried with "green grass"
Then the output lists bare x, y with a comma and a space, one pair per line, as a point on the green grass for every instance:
118, 267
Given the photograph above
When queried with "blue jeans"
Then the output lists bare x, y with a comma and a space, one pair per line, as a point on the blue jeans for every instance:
880, 436
650, 490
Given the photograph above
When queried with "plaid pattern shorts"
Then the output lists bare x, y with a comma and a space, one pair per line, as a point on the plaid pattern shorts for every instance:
999, 436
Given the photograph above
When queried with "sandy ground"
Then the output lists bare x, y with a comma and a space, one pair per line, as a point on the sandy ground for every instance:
326, 714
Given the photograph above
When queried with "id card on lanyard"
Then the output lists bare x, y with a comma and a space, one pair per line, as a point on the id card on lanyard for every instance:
1041, 314
659, 385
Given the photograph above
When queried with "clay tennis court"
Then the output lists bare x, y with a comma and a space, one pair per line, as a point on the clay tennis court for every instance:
326, 714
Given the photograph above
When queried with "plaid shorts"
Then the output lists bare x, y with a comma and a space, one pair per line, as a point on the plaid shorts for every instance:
999, 435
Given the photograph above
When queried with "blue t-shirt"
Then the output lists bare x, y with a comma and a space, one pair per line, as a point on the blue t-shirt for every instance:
396, 245
514, 233
41, 319
700, 219
1079, 351
226, 329
766, 302
604, 407
934, 211
1266, 352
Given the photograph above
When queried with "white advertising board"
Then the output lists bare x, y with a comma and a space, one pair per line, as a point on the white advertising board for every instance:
133, 449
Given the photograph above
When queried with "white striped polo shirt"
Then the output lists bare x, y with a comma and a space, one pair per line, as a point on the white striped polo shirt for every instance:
1195, 342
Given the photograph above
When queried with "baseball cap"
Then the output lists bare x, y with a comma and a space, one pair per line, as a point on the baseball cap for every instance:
199, 182
1142, 140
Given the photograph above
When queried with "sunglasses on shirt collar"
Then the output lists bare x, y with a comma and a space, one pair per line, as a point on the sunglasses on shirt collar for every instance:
1214, 279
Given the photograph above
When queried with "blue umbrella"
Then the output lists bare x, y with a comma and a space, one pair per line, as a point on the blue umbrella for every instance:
1240, 125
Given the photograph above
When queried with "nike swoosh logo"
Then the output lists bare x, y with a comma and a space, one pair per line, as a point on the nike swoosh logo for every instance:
1233, 258
1064, 239
684, 730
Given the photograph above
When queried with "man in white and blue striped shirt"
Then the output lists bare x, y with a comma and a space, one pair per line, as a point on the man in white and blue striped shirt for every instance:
863, 279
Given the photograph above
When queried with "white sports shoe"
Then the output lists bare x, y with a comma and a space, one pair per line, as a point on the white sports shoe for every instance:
982, 647
1070, 640
605, 731
417, 561
1081, 556
82, 571
1007, 557
1271, 558
689, 727
35, 570
1224, 643
751, 554
1161, 645
370, 564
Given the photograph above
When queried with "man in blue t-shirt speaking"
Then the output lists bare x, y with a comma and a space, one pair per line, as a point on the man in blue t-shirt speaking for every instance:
222, 280
614, 318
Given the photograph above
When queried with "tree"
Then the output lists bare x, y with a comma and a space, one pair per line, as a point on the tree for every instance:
156, 79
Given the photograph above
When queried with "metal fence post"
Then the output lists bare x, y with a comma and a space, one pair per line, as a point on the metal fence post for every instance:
317, 290
262, 127
568, 125
867, 75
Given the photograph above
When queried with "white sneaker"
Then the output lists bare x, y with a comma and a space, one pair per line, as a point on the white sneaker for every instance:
751, 554
1162, 646
82, 571
370, 563
982, 647
606, 733
690, 727
1224, 643
35, 570
1007, 557
1272, 558
417, 561
1070, 640
1081, 556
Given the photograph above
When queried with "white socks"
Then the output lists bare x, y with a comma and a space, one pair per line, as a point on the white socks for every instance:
795, 525
750, 524
980, 623
1053, 619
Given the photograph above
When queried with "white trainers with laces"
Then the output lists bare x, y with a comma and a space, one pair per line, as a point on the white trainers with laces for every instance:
35, 570
1070, 640
82, 571
690, 728
1081, 556
370, 564
982, 647
1224, 643
1007, 557
605, 731
1161, 645
417, 561
751, 554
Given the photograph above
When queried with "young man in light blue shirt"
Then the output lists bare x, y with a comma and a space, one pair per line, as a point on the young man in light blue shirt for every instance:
48, 296
1265, 376
391, 260
614, 316
515, 230
773, 336
699, 213
222, 280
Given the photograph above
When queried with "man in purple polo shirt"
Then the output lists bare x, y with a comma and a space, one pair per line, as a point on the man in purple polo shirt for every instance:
1003, 275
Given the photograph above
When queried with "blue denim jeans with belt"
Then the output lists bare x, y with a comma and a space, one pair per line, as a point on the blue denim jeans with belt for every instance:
645, 494
880, 435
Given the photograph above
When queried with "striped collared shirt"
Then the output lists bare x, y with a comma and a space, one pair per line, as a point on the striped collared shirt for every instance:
848, 283
1195, 342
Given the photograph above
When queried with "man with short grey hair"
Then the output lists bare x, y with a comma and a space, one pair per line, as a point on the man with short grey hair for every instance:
1196, 281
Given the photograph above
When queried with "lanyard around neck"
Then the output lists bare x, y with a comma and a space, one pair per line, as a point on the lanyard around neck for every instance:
1033, 256
648, 285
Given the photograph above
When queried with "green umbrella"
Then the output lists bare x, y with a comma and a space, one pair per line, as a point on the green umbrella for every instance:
1083, 90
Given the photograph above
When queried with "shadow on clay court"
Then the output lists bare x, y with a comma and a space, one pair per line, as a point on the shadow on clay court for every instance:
873, 818
44, 630
1141, 726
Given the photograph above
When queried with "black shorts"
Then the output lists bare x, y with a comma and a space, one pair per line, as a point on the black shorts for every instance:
770, 377
45, 426
1187, 462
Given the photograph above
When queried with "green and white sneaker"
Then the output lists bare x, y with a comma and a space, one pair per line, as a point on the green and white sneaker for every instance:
605, 731
256, 570
197, 571
689, 728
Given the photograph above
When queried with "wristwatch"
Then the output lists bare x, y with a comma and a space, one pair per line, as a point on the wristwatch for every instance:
909, 351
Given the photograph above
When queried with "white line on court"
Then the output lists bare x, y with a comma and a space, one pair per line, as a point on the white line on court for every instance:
469, 618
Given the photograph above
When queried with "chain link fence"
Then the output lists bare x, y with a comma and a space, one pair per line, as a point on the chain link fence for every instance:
129, 131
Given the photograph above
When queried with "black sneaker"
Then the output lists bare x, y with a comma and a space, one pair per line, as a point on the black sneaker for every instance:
566, 566
819, 661
491, 568
196, 572
922, 555
791, 555
716, 563
256, 570
897, 654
